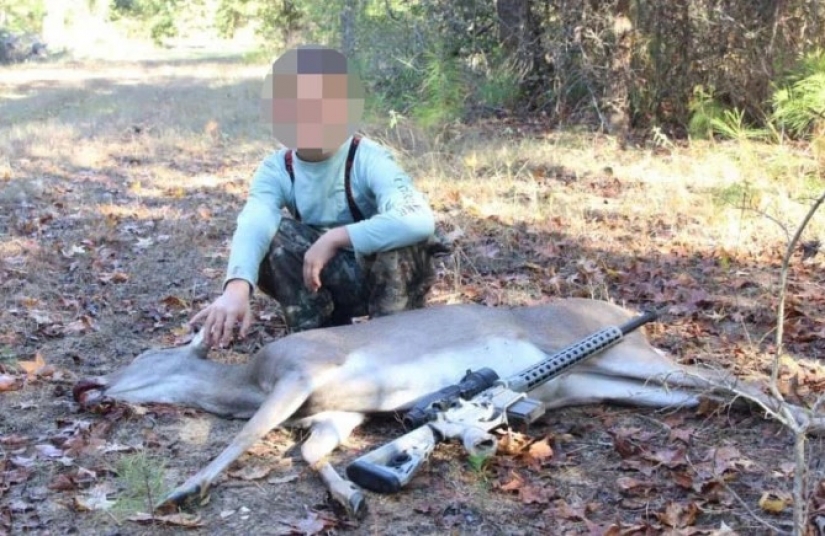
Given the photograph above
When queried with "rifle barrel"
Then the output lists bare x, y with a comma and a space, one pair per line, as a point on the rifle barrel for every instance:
535, 375
639, 321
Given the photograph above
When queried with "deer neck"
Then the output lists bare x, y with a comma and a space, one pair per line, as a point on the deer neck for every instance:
228, 390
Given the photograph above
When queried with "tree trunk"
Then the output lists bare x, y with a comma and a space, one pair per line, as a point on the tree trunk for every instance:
349, 12
520, 35
618, 84
515, 30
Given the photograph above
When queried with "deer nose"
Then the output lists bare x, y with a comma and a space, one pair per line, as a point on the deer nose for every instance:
88, 390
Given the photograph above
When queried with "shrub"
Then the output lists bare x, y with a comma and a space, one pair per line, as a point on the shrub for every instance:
799, 103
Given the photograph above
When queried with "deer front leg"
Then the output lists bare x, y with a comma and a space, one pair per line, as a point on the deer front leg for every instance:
327, 431
289, 394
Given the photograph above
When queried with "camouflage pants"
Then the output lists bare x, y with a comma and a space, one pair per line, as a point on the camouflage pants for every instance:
351, 286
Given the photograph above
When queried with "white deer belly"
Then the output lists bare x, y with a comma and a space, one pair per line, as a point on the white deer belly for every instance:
374, 383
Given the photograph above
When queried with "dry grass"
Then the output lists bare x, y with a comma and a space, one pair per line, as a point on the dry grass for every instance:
710, 183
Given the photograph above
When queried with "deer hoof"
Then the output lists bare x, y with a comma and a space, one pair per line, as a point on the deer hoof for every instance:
88, 392
357, 506
352, 505
178, 497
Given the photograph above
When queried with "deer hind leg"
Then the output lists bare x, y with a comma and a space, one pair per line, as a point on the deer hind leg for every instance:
727, 386
645, 376
656, 368
631, 373
327, 431
289, 394
580, 388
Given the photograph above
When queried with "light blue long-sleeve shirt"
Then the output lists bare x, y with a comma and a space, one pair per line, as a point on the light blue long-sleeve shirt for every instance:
396, 214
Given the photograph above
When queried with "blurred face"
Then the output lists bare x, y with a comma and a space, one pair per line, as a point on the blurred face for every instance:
311, 100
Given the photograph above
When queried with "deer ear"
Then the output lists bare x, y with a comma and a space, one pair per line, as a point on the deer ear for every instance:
199, 346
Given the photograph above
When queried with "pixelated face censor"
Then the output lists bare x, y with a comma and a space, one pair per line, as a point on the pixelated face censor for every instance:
312, 99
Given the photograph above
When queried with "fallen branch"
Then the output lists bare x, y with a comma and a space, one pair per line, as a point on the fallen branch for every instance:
800, 430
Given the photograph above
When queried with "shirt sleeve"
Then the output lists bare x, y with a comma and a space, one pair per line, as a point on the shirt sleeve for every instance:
258, 222
403, 217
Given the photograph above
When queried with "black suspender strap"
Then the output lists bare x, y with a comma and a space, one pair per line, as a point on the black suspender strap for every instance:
291, 171
353, 208
356, 213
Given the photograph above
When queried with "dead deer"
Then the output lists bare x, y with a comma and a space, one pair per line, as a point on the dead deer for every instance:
329, 379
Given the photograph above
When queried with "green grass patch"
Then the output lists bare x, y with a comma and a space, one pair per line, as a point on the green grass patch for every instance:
140, 479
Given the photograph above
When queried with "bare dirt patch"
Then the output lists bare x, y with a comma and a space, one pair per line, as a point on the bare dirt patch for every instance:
119, 185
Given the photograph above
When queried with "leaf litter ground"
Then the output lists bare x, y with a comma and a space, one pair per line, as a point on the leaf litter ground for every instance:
108, 254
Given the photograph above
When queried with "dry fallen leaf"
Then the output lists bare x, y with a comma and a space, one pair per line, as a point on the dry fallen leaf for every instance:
174, 302
13, 440
177, 520
788, 468
537, 494
144, 243
512, 443
633, 486
79, 326
311, 524
113, 277
63, 483
16, 476
20, 506
774, 502
116, 447
514, 484
682, 434
9, 383
540, 451
33, 367
40, 317
21, 461
726, 459
94, 499
626, 442
72, 251
678, 515
282, 479
683, 479
671, 458
251, 472
29, 303
561, 509
48, 451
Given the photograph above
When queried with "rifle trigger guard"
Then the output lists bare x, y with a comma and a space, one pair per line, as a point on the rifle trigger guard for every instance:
479, 443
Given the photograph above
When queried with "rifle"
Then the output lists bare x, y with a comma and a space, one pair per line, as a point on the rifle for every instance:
471, 409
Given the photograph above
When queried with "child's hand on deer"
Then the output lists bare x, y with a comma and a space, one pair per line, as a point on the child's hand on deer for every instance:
222, 316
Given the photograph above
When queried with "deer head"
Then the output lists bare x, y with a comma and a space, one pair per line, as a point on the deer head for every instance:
156, 375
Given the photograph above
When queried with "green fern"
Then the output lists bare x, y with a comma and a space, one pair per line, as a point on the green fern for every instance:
704, 110
799, 105
731, 125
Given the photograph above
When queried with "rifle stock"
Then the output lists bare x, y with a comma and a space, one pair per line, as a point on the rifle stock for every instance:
389, 468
